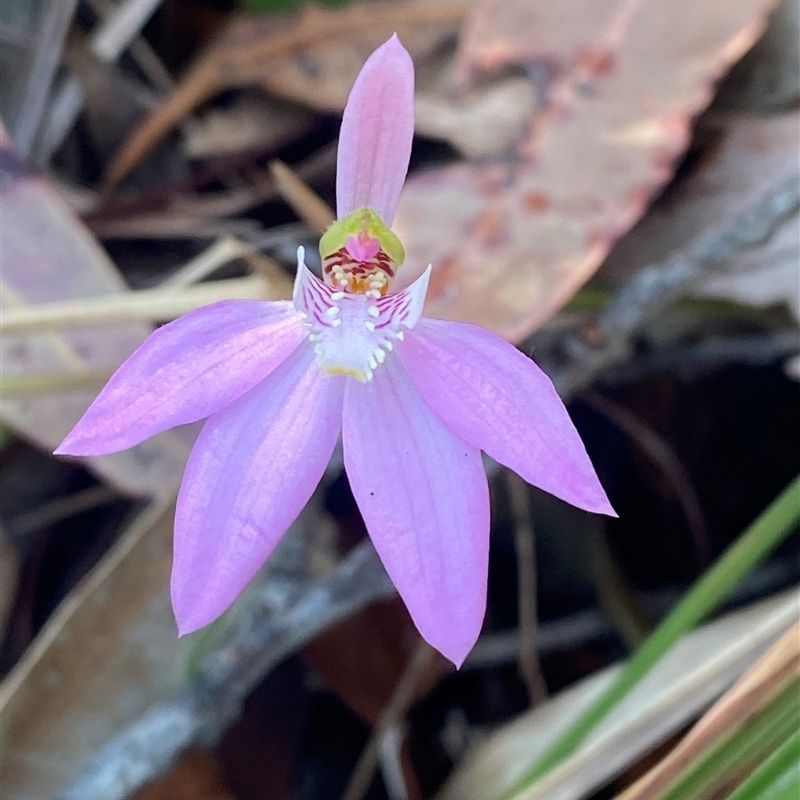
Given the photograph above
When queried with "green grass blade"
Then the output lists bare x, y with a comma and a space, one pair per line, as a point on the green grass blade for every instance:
777, 776
752, 744
762, 536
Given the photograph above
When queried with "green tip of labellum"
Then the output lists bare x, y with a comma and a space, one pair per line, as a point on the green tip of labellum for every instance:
359, 250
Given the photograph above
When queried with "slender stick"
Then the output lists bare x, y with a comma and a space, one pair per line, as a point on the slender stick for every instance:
650, 290
305, 202
152, 305
56, 17
658, 450
398, 704
525, 544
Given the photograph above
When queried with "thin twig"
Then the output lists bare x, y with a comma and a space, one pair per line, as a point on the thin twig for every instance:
391, 760
216, 255
618, 602
305, 202
212, 258
226, 67
658, 285
398, 704
529, 666
65, 104
658, 450
203, 711
151, 305
171, 225
591, 625
62, 508
38, 383
151, 65
703, 357
182, 197
653, 288
55, 20
119, 29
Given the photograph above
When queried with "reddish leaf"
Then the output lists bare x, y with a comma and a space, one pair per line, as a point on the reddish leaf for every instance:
511, 240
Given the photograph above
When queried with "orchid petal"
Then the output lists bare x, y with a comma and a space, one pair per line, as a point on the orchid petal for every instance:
186, 371
424, 497
377, 129
498, 400
354, 332
253, 468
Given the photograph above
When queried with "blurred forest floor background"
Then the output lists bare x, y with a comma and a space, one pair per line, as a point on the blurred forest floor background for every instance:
611, 185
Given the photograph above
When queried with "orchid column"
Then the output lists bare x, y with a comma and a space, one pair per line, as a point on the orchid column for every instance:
415, 401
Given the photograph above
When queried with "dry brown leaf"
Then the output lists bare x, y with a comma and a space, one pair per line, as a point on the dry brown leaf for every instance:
748, 154
196, 776
486, 124
362, 658
48, 255
101, 660
773, 672
321, 72
9, 579
252, 122
481, 123
313, 57
512, 240
682, 685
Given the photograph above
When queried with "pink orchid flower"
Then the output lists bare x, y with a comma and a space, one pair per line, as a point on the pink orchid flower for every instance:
415, 401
